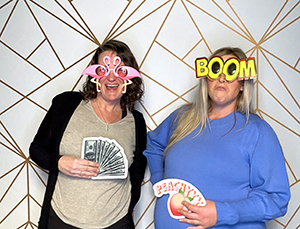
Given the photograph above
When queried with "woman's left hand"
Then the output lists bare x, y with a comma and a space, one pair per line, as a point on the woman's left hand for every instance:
201, 216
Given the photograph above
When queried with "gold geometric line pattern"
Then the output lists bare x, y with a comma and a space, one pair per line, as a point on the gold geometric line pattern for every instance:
290, 113
146, 209
9, 15
292, 218
287, 89
15, 145
37, 47
173, 54
143, 18
93, 37
45, 35
245, 36
109, 36
233, 23
235, 13
14, 209
171, 102
195, 24
269, 30
62, 21
280, 30
297, 63
289, 129
159, 30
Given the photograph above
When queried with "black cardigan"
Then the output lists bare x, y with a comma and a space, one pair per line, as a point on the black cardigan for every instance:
44, 150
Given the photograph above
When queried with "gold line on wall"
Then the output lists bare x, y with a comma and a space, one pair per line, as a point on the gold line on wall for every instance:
189, 51
216, 19
268, 31
15, 178
289, 129
37, 47
147, 15
15, 145
161, 26
108, 37
146, 209
196, 26
235, 13
278, 76
180, 59
13, 209
267, 36
12, 146
290, 219
62, 21
11, 13
91, 34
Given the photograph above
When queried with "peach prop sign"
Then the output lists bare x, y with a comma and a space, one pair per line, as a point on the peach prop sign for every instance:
178, 190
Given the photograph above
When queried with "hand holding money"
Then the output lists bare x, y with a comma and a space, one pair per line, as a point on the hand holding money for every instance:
77, 167
109, 155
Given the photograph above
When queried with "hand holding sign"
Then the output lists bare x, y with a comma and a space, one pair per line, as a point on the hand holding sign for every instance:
179, 190
201, 216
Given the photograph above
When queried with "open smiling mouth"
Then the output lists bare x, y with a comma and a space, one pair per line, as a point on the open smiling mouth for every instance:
112, 86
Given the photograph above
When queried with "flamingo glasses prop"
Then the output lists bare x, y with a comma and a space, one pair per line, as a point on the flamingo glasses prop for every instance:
98, 71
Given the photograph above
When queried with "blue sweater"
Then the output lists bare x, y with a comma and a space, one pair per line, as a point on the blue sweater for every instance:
242, 171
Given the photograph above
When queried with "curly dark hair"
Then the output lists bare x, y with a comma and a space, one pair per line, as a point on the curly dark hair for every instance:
134, 91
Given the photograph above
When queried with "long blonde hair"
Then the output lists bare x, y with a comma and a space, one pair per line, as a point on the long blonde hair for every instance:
196, 114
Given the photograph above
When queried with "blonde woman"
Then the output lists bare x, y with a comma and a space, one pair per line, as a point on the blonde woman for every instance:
228, 153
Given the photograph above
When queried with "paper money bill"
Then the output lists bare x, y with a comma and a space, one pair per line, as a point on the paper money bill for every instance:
110, 156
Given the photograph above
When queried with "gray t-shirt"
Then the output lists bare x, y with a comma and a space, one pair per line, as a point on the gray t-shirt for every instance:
87, 203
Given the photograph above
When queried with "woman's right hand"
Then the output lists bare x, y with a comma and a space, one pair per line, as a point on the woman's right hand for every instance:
201, 216
77, 167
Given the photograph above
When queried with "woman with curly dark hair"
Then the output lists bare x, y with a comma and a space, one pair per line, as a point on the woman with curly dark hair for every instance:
92, 142
134, 90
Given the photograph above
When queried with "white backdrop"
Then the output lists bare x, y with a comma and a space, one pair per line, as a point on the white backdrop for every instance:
45, 45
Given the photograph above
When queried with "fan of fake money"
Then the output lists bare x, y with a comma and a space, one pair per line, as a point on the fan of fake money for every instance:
108, 154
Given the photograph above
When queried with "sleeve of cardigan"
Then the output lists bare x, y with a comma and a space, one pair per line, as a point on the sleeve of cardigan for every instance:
137, 168
141, 162
269, 194
44, 149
